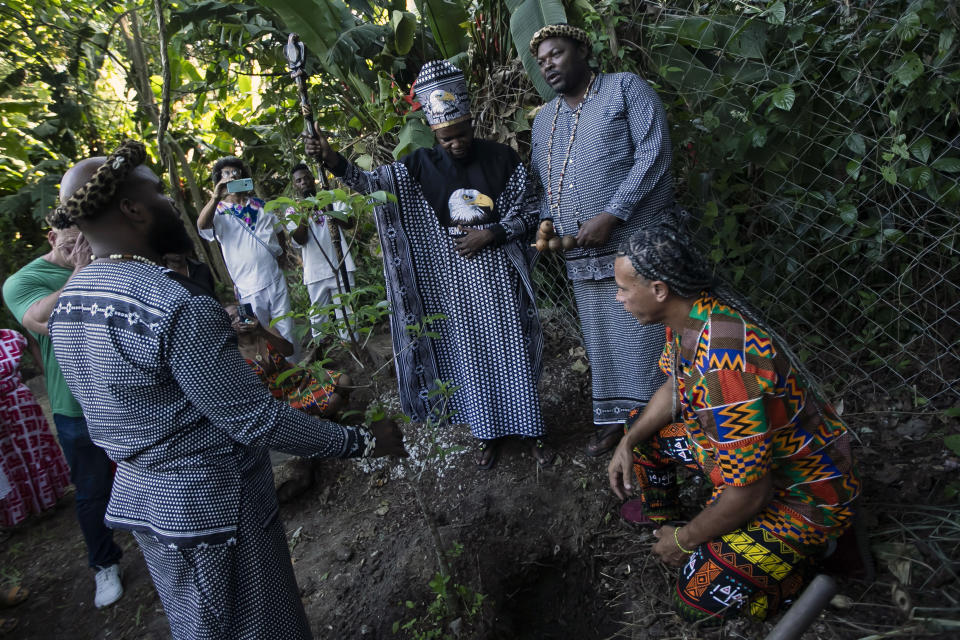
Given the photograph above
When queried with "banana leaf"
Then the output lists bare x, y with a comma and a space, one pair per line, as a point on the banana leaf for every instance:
526, 18
404, 26
445, 18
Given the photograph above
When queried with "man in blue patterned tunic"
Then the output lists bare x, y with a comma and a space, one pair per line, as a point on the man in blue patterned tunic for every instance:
152, 359
601, 151
455, 244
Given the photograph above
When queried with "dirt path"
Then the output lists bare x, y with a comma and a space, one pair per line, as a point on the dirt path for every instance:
544, 547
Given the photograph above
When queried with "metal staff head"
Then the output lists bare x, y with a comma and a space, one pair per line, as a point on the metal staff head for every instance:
296, 56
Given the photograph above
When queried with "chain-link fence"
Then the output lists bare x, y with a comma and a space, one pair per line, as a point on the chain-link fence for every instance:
817, 146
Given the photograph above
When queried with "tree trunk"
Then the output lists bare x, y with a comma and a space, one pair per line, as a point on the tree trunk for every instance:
130, 30
208, 249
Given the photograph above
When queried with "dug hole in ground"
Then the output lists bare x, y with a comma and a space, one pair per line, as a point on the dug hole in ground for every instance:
544, 547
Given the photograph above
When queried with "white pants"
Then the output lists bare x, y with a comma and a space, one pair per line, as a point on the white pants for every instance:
271, 302
321, 293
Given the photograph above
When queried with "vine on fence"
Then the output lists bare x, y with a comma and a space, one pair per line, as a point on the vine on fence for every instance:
817, 145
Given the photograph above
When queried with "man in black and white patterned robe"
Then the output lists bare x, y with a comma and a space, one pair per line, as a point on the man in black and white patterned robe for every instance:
152, 359
455, 244
601, 155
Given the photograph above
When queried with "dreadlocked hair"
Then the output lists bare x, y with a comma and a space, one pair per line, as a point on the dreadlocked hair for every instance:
98, 192
664, 252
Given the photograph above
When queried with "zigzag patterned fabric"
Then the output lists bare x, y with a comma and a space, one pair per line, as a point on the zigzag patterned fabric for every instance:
747, 415
302, 390
748, 569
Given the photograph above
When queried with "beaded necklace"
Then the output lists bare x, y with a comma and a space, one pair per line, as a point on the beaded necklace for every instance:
129, 256
555, 206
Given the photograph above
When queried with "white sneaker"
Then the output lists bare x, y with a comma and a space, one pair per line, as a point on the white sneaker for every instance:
109, 586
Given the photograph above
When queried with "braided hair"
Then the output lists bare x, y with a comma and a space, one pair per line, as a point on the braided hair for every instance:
664, 252
96, 194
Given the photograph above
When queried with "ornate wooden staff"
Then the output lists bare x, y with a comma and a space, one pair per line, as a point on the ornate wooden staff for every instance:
297, 61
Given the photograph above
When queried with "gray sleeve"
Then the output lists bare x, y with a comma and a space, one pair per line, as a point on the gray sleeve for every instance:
651, 138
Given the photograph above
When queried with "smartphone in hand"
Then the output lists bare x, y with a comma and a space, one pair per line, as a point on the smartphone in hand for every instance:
240, 185
246, 313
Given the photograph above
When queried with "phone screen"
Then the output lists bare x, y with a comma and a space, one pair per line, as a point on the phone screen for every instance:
246, 313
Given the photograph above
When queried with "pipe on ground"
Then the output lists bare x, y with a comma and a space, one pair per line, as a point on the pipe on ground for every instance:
805, 610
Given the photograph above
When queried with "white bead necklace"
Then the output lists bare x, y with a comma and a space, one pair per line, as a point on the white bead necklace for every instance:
129, 256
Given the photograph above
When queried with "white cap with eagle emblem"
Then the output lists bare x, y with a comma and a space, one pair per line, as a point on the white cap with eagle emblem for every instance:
442, 91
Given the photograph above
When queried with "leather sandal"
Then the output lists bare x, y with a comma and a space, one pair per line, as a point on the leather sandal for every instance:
604, 439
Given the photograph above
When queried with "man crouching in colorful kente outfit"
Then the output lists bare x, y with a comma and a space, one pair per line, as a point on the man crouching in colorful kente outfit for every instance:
749, 419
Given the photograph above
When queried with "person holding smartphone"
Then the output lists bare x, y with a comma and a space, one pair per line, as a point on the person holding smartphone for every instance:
251, 241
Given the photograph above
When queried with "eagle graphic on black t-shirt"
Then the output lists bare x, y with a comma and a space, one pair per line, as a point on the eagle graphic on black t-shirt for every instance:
470, 207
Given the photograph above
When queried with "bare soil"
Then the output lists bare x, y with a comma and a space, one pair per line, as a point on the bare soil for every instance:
546, 547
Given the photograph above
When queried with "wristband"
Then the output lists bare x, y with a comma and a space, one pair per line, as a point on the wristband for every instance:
676, 538
371, 443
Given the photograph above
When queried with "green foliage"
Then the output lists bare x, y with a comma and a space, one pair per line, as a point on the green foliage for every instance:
52, 54
363, 61
404, 25
953, 443
364, 307
433, 624
812, 143
528, 16
414, 134
445, 18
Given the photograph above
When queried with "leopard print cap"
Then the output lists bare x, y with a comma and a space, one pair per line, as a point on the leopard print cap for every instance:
558, 31
94, 196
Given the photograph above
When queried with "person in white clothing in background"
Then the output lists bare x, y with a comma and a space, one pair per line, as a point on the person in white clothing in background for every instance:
252, 243
312, 236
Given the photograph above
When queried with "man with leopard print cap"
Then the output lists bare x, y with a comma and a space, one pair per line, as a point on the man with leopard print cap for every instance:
601, 154
152, 359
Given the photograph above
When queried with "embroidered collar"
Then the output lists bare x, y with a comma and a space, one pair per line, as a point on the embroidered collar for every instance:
246, 213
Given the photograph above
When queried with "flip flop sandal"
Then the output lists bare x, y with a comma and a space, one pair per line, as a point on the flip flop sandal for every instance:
13, 596
543, 454
604, 439
489, 453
